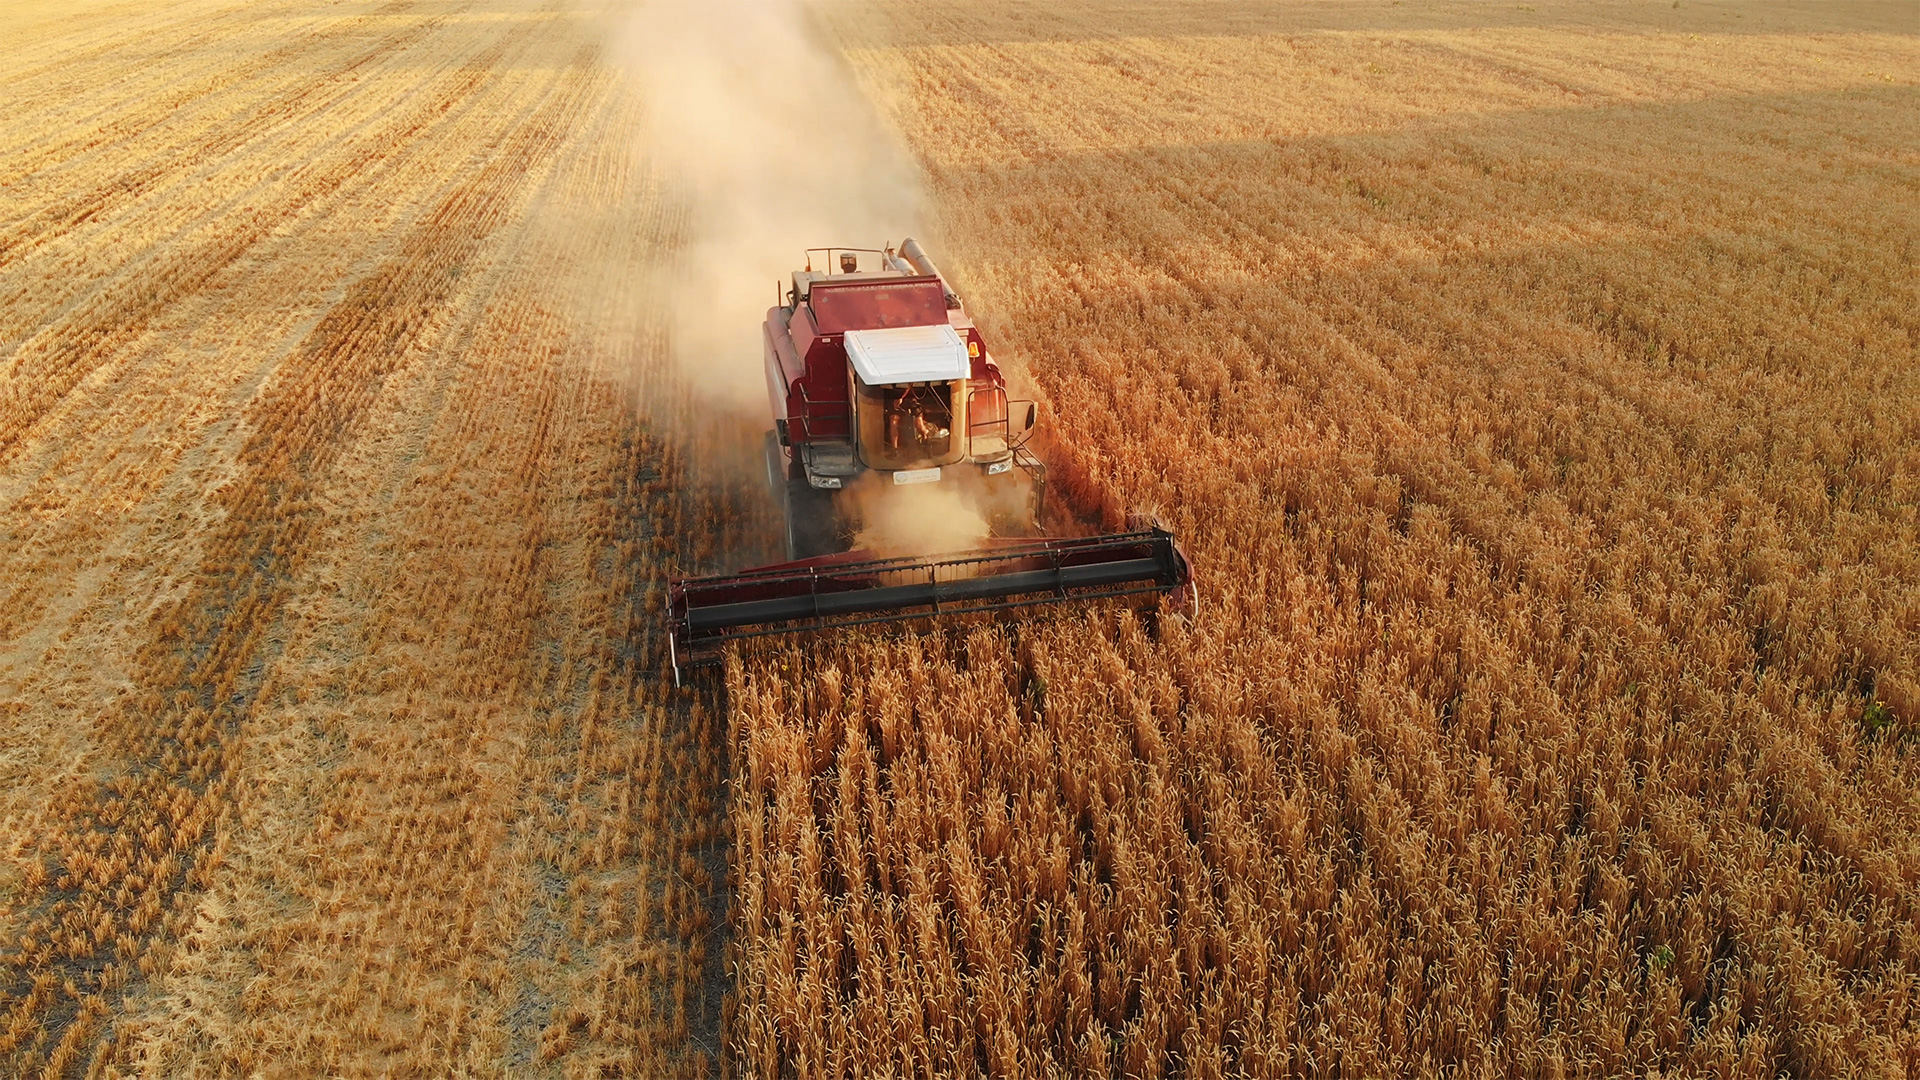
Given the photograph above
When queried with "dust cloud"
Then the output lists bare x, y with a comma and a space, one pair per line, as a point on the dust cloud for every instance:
757, 127
898, 520
766, 147
958, 513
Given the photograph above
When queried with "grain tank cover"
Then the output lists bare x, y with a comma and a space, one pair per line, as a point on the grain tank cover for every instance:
908, 354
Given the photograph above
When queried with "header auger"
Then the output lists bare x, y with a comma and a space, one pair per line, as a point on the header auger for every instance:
876, 376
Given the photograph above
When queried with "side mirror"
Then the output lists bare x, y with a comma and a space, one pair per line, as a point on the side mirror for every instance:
1033, 415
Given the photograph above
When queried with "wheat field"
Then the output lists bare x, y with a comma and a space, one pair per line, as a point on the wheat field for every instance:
1536, 387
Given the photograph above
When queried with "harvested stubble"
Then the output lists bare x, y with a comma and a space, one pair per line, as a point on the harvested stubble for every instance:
333, 739
1538, 394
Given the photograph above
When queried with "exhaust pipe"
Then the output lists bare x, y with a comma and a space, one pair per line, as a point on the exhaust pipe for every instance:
911, 249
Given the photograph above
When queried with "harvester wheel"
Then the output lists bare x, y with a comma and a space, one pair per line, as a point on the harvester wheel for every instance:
776, 470
812, 526
810, 521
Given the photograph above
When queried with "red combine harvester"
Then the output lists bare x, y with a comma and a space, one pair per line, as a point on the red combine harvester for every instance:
878, 381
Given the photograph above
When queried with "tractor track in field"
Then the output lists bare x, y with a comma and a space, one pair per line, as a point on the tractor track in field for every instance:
66, 70
89, 330
26, 597
308, 97
127, 844
337, 501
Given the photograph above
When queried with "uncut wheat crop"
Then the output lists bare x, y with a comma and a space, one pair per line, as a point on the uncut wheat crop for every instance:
1536, 389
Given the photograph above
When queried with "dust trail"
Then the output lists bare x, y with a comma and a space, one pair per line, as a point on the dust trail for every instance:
757, 126
916, 519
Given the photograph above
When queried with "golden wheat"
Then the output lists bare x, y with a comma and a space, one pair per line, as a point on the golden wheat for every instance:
1536, 394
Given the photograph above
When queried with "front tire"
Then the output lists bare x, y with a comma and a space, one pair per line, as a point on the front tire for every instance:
812, 527
776, 471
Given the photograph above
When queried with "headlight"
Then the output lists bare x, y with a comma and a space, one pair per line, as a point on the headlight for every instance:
999, 467
823, 481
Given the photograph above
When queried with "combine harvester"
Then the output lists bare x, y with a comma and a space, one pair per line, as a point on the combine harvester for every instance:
879, 379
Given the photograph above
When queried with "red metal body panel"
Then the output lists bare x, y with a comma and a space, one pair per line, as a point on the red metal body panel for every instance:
878, 305
984, 370
806, 377
782, 363
826, 383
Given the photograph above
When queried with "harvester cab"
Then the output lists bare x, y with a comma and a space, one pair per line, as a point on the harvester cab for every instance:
876, 377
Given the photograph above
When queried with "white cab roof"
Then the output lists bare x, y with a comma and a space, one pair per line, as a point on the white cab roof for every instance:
905, 354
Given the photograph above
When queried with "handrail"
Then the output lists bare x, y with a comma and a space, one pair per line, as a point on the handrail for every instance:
844, 416
973, 432
1026, 436
831, 251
